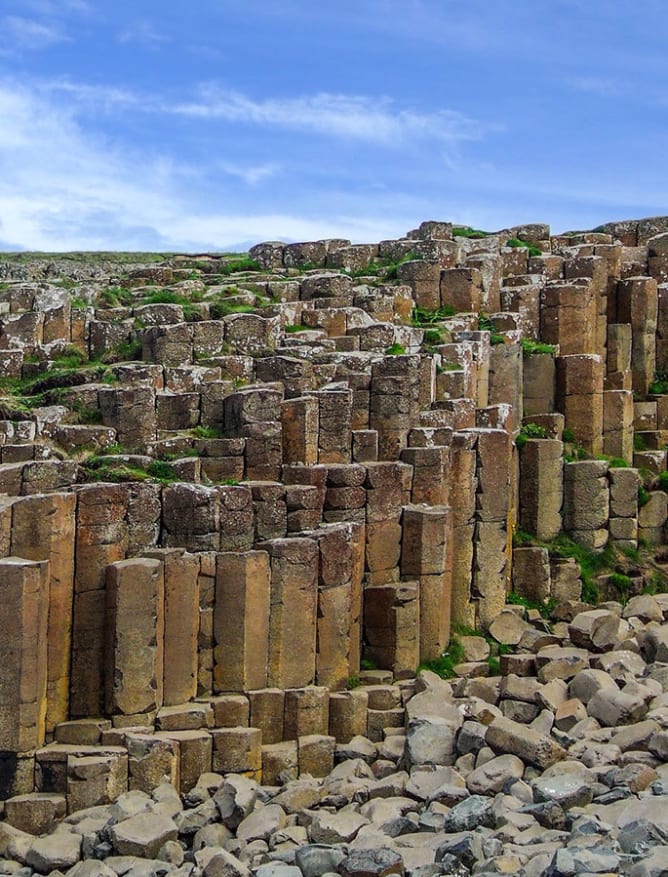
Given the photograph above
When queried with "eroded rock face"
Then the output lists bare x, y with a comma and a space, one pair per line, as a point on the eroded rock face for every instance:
276, 505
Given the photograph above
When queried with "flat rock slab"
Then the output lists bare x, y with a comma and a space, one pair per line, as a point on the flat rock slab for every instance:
508, 737
142, 835
59, 850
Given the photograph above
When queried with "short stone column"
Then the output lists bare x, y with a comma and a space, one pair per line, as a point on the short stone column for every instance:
426, 557
580, 398
587, 502
541, 488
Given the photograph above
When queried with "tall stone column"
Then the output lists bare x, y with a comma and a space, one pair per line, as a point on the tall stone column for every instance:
43, 528
241, 621
24, 608
293, 611
101, 539
135, 636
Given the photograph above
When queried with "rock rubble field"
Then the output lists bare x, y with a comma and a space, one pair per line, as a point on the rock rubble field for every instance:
555, 768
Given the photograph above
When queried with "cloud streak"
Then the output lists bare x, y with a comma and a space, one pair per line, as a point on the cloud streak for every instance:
352, 117
30, 34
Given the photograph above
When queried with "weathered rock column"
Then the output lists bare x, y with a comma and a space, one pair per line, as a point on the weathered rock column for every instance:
293, 611
423, 277
241, 621
394, 402
131, 412
531, 573
568, 316
463, 488
388, 490
623, 525
392, 627
101, 539
181, 573
580, 398
618, 424
426, 556
335, 594
24, 608
255, 414
637, 304
43, 528
541, 488
539, 379
587, 502
335, 407
506, 377
135, 636
300, 429
618, 357
491, 547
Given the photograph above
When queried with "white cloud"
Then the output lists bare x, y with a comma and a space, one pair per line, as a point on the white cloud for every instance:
145, 34
251, 175
62, 188
352, 117
600, 85
27, 33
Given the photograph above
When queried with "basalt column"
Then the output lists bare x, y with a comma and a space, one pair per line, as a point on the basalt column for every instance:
426, 557
492, 523
135, 636
101, 539
463, 504
241, 621
24, 607
580, 398
394, 402
293, 612
43, 529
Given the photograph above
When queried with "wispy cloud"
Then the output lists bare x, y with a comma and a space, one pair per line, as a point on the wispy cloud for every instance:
251, 175
30, 34
144, 33
601, 86
354, 117
90, 194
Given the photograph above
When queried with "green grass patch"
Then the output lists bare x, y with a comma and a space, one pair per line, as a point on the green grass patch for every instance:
444, 665
530, 431
591, 563
465, 231
220, 309
518, 242
206, 432
639, 443
235, 266
532, 347
293, 328
432, 336
659, 385
425, 317
115, 297
621, 584
545, 609
395, 349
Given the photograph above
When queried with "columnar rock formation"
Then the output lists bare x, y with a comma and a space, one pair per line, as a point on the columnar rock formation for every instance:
229, 486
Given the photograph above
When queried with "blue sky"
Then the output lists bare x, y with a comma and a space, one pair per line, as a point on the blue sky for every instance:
214, 124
